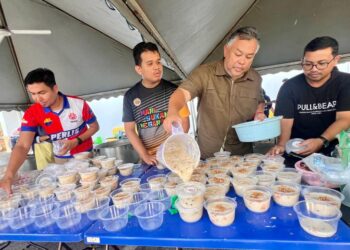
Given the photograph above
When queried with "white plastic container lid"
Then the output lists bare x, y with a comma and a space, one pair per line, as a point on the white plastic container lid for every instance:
293, 145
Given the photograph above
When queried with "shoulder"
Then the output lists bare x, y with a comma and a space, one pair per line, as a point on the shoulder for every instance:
35, 108
168, 84
133, 90
254, 75
294, 81
341, 76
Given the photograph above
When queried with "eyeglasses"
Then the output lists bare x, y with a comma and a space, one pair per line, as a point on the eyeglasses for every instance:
320, 65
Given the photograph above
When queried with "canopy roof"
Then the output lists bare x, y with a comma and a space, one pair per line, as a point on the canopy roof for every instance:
90, 48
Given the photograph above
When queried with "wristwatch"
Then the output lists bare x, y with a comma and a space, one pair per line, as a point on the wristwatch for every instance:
80, 141
324, 140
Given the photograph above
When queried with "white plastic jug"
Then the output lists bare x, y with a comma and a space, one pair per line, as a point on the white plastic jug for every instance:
180, 153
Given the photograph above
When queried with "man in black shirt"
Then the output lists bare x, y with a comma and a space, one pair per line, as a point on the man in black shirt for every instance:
315, 105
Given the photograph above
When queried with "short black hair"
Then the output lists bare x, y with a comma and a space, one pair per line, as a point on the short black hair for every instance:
245, 33
40, 75
323, 42
142, 47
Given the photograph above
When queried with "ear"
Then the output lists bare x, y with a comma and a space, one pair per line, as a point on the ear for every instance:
138, 70
225, 50
337, 59
55, 88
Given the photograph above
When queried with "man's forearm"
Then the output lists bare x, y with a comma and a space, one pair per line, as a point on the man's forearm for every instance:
335, 128
89, 132
286, 131
18, 156
136, 142
177, 102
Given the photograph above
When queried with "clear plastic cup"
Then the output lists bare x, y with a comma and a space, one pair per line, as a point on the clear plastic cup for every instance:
160, 196
126, 169
3, 219
82, 155
101, 192
221, 179
286, 194
265, 179
150, 215
113, 218
189, 215
242, 171
96, 161
138, 198
213, 191
257, 199
272, 167
64, 193
170, 188
99, 205
289, 175
19, 217
82, 206
131, 185
240, 184
42, 214
322, 201
145, 188
108, 162
89, 174
156, 182
221, 211
191, 194
216, 170
66, 216
314, 224
199, 178
68, 177
82, 192
121, 198
110, 181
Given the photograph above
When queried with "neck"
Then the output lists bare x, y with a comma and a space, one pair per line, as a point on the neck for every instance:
58, 104
148, 84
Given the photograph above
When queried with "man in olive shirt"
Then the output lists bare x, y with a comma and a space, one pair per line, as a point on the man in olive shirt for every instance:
228, 91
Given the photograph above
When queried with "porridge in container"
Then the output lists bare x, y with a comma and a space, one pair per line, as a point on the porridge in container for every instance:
240, 184
170, 188
265, 179
199, 178
289, 175
286, 194
323, 201
69, 177
257, 199
216, 170
131, 185
102, 192
314, 224
121, 198
242, 171
89, 174
82, 206
156, 182
191, 194
221, 211
272, 166
126, 169
189, 215
96, 161
108, 162
109, 181
82, 193
213, 191
221, 179
64, 193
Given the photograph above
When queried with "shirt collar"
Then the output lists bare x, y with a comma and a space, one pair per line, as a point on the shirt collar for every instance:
220, 71
65, 103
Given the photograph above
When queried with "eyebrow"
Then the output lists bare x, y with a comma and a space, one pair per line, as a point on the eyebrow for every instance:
240, 51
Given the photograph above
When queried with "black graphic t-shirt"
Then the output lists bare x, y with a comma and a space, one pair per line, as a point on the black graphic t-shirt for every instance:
148, 107
313, 109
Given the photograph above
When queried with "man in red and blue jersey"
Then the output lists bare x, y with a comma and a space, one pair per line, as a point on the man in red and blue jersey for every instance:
67, 120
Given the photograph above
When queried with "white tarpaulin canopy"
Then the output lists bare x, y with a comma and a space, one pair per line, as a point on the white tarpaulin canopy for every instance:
90, 48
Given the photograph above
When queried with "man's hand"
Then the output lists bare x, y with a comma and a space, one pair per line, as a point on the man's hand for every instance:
276, 150
149, 159
169, 120
311, 146
260, 116
5, 184
67, 145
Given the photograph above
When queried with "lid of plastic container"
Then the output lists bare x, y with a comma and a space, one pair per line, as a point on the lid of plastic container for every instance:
45, 180
189, 189
293, 145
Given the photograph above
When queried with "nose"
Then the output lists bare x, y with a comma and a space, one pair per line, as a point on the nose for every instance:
241, 60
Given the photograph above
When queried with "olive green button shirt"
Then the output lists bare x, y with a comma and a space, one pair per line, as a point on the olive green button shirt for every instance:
222, 102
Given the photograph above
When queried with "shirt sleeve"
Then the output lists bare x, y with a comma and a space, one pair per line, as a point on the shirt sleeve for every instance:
285, 104
88, 115
343, 101
29, 121
194, 82
128, 115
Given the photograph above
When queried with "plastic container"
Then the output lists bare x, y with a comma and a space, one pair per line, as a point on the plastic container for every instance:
19, 217
101, 192
213, 191
322, 201
160, 196
96, 161
314, 224
89, 174
189, 215
259, 130
69, 177
114, 219
216, 170
289, 175
150, 215
222, 155
110, 181
310, 177
126, 169
82, 193
64, 193
221, 179
221, 211
240, 184
272, 166
257, 199
265, 179
145, 188
138, 198
170, 188
293, 145
156, 182
82, 155
42, 214
99, 205
47, 191
121, 198
108, 162
199, 178
3, 219
82, 206
180, 153
191, 194
286, 194
66, 216
131, 185
45, 180
242, 171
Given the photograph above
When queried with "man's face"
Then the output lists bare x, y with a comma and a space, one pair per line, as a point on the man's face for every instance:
151, 69
323, 59
239, 55
43, 94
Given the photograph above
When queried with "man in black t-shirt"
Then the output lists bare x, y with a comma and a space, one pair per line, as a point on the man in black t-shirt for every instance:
315, 105
146, 104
